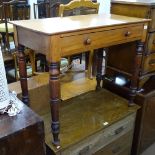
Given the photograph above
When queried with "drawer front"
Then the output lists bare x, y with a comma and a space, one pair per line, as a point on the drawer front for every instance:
152, 23
148, 64
150, 43
140, 11
119, 146
97, 141
84, 42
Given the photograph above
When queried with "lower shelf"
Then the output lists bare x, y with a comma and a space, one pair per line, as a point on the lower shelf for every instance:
90, 122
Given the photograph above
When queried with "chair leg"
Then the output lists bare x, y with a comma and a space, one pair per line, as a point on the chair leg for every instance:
69, 60
7, 42
32, 60
0, 41
90, 76
15, 65
3, 41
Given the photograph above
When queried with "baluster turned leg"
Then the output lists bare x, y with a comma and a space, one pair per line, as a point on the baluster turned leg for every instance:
54, 101
23, 74
99, 68
134, 79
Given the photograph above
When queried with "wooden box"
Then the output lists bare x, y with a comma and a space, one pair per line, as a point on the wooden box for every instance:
22, 134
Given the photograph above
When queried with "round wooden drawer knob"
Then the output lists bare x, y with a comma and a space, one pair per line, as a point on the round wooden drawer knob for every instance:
127, 34
87, 41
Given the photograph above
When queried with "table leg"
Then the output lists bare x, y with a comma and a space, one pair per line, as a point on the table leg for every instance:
134, 79
99, 68
54, 83
23, 74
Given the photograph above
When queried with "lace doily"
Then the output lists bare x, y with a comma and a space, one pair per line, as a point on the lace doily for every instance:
14, 106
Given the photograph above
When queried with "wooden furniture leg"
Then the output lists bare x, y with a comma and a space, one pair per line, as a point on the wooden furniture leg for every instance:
90, 64
23, 74
54, 84
134, 79
32, 60
99, 68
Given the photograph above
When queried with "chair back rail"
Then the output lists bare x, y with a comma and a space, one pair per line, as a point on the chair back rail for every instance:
41, 10
15, 10
78, 4
45, 9
12, 10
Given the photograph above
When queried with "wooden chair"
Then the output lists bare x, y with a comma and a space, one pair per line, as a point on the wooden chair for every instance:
30, 65
5, 28
45, 9
18, 10
80, 7
12, 10
0, 41
41, 10
45, 12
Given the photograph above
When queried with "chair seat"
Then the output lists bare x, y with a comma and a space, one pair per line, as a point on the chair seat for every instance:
64, 65
11, 72
3, 29
63, 62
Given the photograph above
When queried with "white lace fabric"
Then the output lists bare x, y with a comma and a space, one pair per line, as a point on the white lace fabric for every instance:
13, 108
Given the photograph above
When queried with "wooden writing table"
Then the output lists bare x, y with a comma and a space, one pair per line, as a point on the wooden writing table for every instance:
63, 36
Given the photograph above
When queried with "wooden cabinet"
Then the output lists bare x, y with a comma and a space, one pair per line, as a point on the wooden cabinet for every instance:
22, 134
140, 9
122, 66
145, 123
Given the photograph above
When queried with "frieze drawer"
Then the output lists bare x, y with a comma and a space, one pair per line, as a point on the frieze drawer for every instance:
101, 139
149, 64
84, 42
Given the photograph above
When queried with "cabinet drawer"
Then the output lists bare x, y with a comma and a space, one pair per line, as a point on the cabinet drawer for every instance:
138, 10
119, 146
152, 23
83, 42
149, 64
150, 43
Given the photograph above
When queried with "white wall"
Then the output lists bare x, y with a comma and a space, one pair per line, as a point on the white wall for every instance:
31, 4
104, 6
